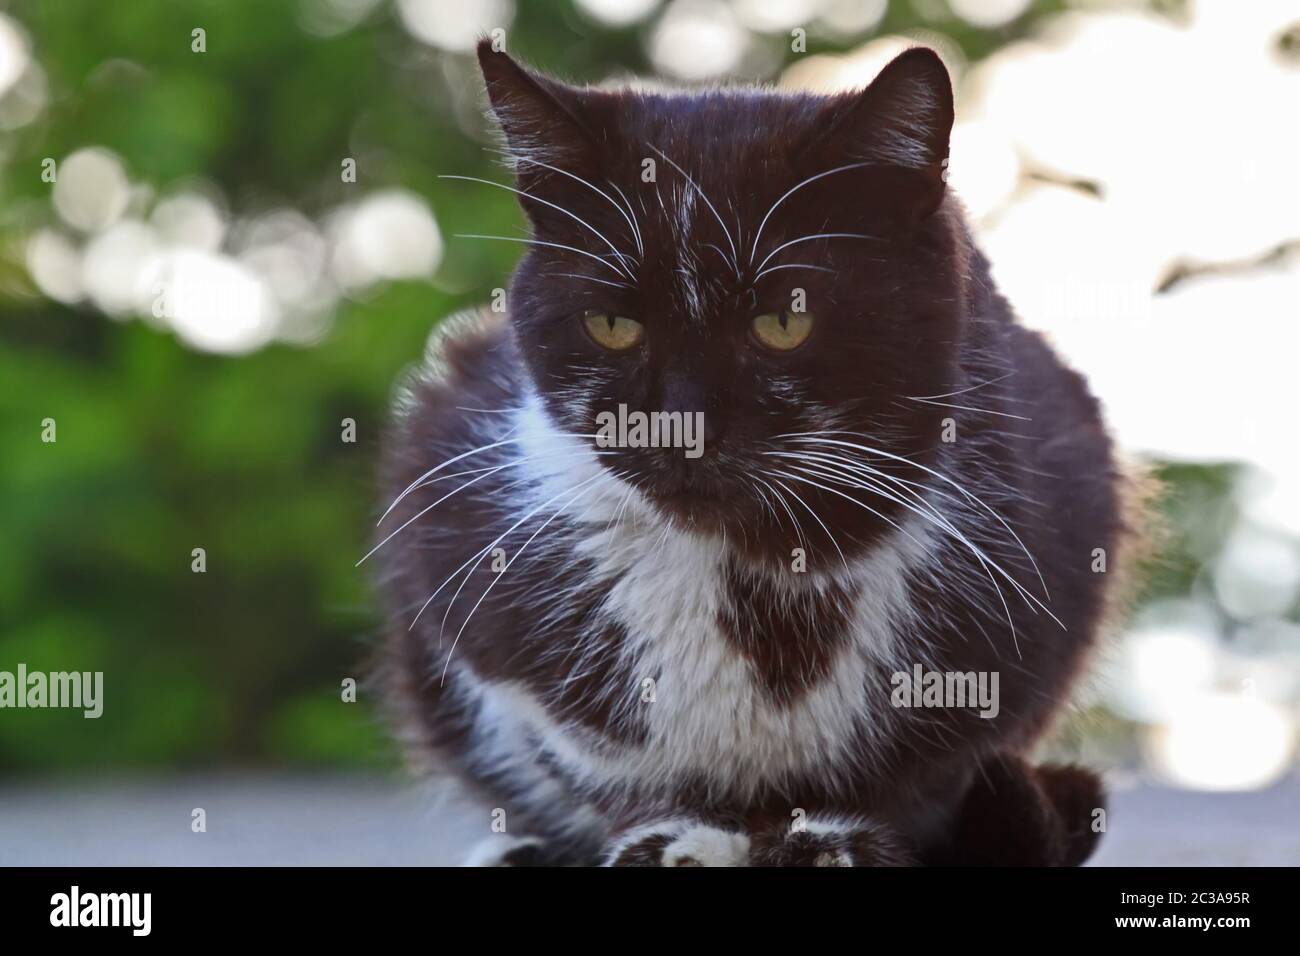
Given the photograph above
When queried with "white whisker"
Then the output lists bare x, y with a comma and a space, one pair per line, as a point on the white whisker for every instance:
477, 559
488, 590
793, 265
969, 408
483, 473
636, 227
575, 275
451, 461
576, 178
930, 514
437, 468
960, 391
545, 202
757, 235
815, 437
552, 245
696, 186
820, 235
796, 497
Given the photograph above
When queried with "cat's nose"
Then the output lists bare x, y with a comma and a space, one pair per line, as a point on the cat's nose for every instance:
686, 395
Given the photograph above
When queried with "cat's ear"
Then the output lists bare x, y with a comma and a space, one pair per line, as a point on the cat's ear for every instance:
539, 115
900, 124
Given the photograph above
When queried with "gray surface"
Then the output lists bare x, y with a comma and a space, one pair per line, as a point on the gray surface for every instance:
1157, 826
251, 820
332, 820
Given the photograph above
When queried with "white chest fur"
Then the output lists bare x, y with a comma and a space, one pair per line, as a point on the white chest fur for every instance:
706, 715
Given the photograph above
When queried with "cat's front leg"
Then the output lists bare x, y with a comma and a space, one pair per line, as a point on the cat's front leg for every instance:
502, 850
831, 841
679, 841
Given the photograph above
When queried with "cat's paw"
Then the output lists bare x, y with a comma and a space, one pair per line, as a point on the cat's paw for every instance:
679, 843
503, 850
852, 842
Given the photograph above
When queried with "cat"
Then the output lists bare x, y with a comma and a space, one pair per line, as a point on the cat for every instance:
636, 656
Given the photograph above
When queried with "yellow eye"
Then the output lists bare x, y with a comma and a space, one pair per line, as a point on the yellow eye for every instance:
613, 331
782, 331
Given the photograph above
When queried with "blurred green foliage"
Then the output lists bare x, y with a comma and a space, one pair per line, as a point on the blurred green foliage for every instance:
161, 449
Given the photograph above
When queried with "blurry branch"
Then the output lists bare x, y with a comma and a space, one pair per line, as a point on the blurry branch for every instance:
1183, 271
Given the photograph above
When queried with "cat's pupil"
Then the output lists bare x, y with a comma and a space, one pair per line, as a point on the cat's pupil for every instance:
610, 320
784, 319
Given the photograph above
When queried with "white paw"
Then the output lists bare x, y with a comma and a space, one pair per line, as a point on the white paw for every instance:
833, 858
849, 842
679, 843
498, 850
707, 846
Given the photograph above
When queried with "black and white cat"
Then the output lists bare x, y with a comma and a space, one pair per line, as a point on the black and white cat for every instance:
644, 656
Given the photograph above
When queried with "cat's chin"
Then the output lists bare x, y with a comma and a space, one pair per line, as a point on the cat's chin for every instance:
693, 511
708, 514
745, 530
751, 535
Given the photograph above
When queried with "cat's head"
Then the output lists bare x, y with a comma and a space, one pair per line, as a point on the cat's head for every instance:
782, 263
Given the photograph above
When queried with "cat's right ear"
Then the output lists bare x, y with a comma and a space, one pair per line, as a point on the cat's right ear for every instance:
539, 116
898, 128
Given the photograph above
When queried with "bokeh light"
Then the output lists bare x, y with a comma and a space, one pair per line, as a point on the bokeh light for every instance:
454, 24
1223, 742
617, 13
92, 190
698, 39
14, 56
391, 235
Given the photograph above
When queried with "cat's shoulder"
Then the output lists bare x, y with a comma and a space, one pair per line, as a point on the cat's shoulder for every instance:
467, 349
460, 393
471, 358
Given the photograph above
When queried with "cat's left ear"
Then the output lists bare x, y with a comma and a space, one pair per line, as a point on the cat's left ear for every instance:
899, 125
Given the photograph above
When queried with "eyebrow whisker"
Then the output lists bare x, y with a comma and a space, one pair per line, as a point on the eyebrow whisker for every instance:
577, 275
696, 186
819, 235
539, 242
636, 231
636, 228
792, 265
811, 179
558, 208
